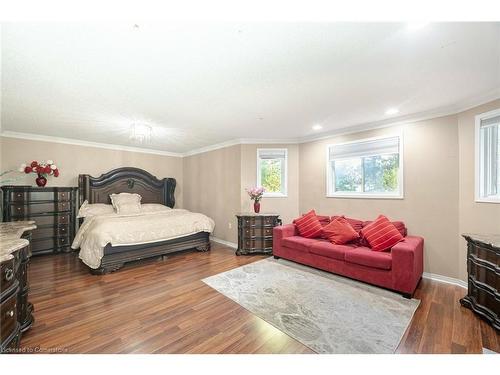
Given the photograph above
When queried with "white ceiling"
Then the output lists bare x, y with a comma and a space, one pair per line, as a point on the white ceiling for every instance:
202, 84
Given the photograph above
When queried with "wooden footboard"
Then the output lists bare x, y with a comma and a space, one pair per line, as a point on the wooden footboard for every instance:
115, 257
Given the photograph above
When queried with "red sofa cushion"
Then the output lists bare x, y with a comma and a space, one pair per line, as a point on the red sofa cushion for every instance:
339, 231
381, 234
366, 257
298, 243
355, 223
308, 225
329, 250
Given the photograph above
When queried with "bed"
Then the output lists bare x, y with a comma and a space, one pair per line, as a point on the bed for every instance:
152, 190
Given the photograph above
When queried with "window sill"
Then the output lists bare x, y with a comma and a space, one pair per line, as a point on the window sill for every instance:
365, 196
275, 195
487, 200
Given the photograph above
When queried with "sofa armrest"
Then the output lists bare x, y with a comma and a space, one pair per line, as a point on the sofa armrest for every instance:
408, 263
283, 231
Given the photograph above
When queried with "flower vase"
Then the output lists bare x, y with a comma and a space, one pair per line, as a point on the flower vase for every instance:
41, 180
256, 207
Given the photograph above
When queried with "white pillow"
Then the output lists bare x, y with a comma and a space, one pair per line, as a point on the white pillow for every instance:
94, 209
154, 207
126, 203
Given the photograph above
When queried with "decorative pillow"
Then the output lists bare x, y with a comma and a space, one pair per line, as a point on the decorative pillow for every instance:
381, 234
400, 226
87, 209
154, 207
308, 225
355, 223
339, 231
126, 203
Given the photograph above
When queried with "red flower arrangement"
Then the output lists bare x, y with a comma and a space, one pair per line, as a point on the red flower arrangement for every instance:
42, 169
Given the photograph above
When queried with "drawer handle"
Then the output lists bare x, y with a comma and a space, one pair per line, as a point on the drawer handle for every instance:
19, 195
10, 313
9, 274
63, 230
18, 208
62, 240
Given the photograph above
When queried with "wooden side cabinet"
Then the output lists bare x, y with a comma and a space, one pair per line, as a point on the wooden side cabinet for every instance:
255, 233
483, 268
52, 208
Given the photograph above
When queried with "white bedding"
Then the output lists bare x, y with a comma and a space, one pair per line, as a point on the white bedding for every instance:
134, 229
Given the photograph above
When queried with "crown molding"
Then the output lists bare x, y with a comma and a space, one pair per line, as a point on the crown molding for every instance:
76, 142
345, 130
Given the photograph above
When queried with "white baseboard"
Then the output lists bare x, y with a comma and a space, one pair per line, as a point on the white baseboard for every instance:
445, 279
224, 242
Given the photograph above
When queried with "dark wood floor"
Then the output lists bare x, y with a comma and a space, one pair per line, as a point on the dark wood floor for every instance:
164, 307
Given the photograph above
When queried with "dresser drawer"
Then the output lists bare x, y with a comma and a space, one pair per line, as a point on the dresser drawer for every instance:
37, 196
257, 232
55, 219
50, 244
8, 311
484, 273
47, 232
484, 297
38, 208
7, 274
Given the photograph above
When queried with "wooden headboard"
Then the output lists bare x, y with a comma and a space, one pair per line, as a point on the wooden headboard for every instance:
126, 180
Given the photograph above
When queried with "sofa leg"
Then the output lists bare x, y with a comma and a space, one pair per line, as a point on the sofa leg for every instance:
276, 257
407, 295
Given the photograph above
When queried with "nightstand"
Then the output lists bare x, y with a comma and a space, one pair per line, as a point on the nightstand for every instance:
255, 233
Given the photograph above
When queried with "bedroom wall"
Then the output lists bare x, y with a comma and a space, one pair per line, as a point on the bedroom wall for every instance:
430, 204
474, 217
74, 160
212, 185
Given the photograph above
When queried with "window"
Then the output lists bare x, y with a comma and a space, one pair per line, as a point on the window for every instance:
488, 157
370, 168
271, 171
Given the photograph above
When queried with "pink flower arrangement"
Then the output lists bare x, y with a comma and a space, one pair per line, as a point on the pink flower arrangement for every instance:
256, 193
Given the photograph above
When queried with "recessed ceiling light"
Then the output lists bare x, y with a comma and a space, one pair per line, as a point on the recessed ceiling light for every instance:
317, 127
392, 111
416, 25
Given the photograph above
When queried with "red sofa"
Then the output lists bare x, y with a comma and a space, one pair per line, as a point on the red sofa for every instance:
399, 268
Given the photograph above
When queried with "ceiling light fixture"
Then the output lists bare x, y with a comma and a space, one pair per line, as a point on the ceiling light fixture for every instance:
317, 127
392, 111
413, 26
140, 133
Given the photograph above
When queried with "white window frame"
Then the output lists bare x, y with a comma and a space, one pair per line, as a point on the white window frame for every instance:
477, 158
330, 193
284, 192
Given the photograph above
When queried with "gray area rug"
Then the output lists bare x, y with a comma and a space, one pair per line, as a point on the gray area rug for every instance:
327, 313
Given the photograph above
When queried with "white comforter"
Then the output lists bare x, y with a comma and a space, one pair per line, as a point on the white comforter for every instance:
120, 230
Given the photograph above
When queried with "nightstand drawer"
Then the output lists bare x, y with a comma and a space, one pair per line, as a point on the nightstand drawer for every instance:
254, 244
257, 232
38, 196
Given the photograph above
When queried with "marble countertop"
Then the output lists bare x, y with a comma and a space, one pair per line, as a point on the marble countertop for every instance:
10, 237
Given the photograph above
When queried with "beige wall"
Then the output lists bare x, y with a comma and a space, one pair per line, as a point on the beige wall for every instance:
73, 160
438, 199
474, 217
430, 204
287, 207
212, 185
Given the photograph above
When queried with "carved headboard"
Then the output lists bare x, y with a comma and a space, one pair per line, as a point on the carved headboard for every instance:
127, 180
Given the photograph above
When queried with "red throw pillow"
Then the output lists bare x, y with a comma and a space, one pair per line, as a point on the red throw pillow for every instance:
339, 231
381, 234
308, 225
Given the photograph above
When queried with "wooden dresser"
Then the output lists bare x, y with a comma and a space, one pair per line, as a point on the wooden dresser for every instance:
52, 208
483, 267
255, 233
16, 311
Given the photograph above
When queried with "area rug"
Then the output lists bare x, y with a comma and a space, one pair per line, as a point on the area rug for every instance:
325, 312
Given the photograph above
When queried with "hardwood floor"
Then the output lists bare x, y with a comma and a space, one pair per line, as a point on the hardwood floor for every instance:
163, 307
